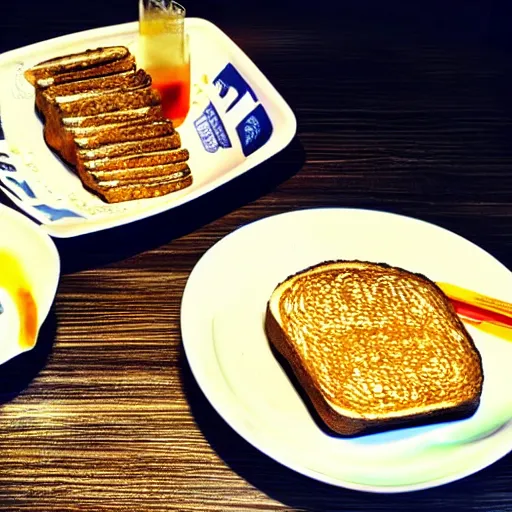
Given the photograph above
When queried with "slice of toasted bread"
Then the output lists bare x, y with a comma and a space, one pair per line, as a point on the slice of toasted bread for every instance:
130, 115
81, 89
87, 64
143, 190
374, 347
150, 176
126, 133
145, 159
142, 145
110, 101
139, 173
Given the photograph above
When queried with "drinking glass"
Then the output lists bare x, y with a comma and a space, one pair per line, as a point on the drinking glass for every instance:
164, 54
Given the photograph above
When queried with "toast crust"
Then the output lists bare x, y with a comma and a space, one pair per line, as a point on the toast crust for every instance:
132, 192
351, 419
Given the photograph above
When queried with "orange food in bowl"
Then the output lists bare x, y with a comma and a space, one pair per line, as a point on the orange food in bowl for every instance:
14, 282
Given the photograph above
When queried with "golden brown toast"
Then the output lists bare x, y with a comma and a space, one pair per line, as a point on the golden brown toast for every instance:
81, 65
129, 132
130, 161
140, 174
90, 87
374, 347
140, 115
110, 101
141, 189
142, 145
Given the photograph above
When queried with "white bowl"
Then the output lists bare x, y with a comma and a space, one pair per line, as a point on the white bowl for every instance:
29, 275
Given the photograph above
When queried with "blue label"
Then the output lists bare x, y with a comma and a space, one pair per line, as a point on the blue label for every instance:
4, 166
255, 130
211, 130
55, 213
228, 78
23, 185
253, 125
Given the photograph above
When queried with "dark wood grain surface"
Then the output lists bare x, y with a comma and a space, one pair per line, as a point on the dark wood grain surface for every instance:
403, 108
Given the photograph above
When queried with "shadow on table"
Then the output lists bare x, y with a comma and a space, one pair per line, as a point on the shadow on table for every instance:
16, 374
305, 494
104, 247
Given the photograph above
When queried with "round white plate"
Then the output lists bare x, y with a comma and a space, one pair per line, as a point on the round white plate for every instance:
35, 254
222, 326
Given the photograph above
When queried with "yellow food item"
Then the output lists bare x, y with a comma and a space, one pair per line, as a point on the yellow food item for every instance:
14, 282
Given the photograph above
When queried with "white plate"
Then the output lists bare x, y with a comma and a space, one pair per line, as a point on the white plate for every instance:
222, 326
237, 120
35, 254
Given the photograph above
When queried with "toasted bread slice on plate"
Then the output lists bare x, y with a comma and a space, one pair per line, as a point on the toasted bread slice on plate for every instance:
374, 346
80, 65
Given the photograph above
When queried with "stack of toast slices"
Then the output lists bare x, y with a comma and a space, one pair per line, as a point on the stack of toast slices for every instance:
103, 117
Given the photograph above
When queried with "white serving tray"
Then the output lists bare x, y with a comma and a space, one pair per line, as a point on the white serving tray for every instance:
237, 120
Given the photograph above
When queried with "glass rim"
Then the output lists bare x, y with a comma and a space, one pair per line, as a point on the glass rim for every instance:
172, 7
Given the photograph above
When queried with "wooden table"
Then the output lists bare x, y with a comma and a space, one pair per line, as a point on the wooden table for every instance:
404, 108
